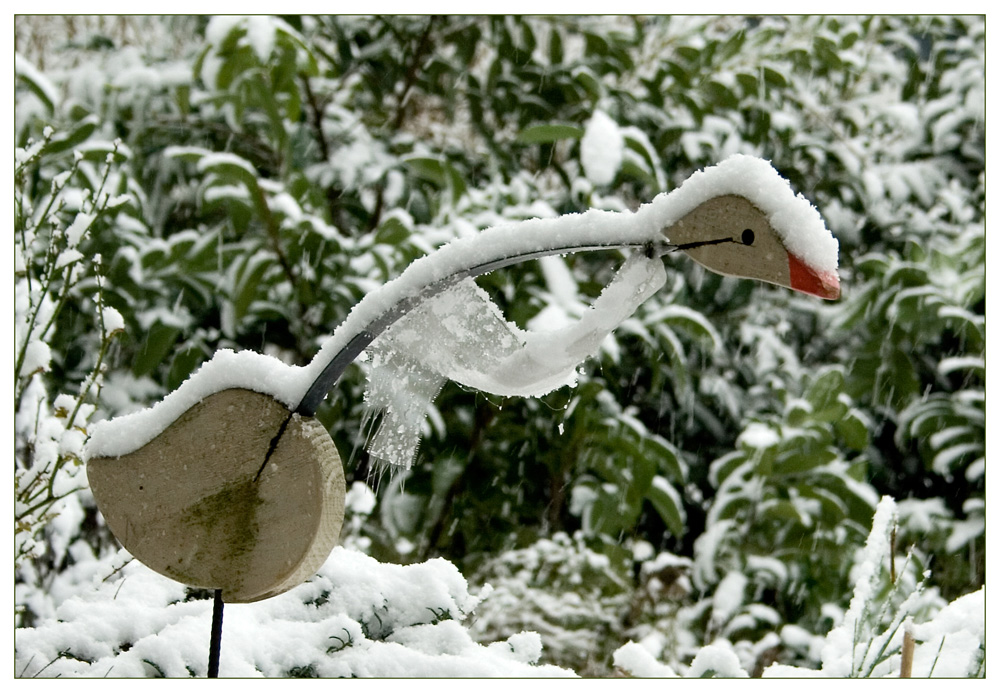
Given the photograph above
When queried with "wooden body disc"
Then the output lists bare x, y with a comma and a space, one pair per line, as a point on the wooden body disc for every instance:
190, 504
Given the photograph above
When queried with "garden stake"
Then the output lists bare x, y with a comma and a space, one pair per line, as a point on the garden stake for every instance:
215, 643
906, 663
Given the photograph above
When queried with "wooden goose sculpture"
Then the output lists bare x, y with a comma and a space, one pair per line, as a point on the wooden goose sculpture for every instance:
230, 483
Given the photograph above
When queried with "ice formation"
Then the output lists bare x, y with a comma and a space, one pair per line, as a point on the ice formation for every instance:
460, 335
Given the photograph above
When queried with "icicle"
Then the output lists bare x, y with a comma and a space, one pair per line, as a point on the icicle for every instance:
401, 389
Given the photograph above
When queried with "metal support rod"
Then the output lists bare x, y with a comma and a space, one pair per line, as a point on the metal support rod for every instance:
215, 643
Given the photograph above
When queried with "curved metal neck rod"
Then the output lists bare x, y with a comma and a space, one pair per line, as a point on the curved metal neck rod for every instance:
357, 343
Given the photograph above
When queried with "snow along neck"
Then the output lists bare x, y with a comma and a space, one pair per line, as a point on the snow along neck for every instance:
347, 344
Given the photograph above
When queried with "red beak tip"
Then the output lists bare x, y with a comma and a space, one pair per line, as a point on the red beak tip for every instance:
821, 283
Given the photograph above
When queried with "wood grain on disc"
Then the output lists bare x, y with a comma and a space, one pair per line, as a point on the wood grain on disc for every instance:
189, 503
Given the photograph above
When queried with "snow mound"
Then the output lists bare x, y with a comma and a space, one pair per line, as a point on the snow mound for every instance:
636, 660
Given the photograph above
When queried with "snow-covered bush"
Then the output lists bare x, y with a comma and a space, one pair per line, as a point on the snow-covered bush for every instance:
866, 640
63, 331
725, 452
558, 587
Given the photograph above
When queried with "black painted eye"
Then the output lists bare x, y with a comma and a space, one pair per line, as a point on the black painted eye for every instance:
747, 237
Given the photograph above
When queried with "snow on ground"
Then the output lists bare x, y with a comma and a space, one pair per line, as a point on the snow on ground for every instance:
717, 660
947, 646
356, 617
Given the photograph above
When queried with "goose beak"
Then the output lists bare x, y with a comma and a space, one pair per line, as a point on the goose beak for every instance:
807, 280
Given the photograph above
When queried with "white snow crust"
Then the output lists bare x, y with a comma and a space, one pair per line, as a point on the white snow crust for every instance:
22, 66
758, 435
947, 645
637, 661
601, 149
718, 660
112, 319
792, 216
796, 221
838, 654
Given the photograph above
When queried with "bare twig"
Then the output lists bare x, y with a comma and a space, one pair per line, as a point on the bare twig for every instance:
411, 73
892, 555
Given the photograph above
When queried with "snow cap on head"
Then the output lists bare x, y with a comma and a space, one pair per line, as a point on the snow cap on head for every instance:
796, 221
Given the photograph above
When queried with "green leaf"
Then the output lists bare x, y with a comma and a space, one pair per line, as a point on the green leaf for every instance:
537, 134
555, 47
859, 506
610, 513
799, 462
748, 82
833, 507
232, 172
642, 469
689, 53
440, 173
667, 457
897, 382
263, 95
631, 169
853, 430
906, 275
33, 81
666, 501
833, 413
773, 78
720, 95
827, 52
825, 389
726, 465
798, 413
392, 231
690, 321
62, 141
782, 511
248, 283
732, 45
733, 507
159, 342
183, 364
590, 83
764, 460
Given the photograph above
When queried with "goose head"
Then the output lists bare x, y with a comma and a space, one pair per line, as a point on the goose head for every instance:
729, 235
